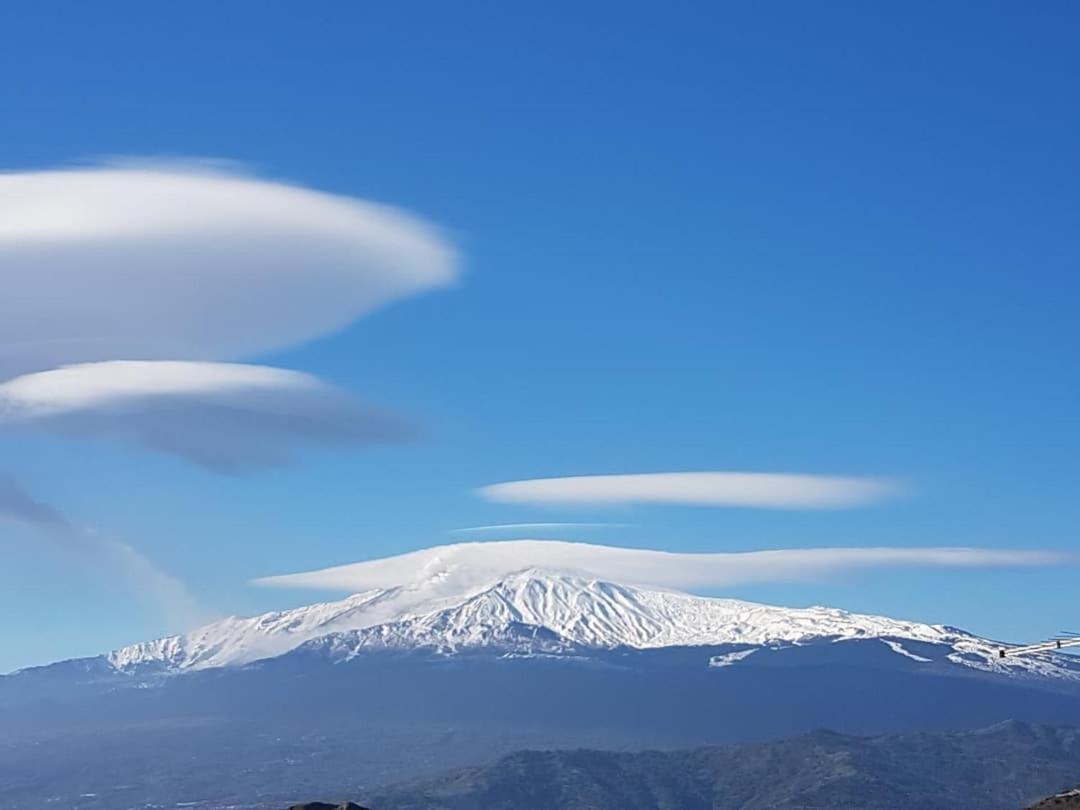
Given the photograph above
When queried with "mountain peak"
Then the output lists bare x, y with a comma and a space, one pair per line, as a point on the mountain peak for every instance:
446, 607
558, 607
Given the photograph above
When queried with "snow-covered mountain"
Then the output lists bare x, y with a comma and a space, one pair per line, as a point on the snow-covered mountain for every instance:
454, 656
541, 612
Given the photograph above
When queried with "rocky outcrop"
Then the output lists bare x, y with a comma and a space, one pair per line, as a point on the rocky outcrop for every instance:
325, 806
1069, 800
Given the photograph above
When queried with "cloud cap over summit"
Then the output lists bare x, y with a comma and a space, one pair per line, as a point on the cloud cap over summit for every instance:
465, 565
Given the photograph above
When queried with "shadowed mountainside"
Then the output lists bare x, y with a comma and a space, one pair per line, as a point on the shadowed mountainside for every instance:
1004, 767
300, 726
342, 698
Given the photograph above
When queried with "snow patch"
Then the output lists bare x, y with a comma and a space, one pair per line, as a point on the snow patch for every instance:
727, 659
898, 648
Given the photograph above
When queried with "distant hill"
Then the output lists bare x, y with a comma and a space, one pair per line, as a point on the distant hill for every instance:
1006, 766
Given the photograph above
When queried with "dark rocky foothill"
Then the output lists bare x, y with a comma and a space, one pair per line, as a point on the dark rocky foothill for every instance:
1070, 800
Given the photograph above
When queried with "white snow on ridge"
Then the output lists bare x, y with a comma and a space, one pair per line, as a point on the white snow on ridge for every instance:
731, 658
573, 610
590, 613
594, 613
899, 649
437, 600
238, 641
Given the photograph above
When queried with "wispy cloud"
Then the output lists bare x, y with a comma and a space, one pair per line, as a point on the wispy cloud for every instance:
191, 261
223, 416
758, 490
17, 504
466, 565
145, 579
514, 527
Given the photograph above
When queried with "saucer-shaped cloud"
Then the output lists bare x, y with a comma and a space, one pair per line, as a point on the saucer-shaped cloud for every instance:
538, 527
190, 262
761, 490
224, 416
466, 565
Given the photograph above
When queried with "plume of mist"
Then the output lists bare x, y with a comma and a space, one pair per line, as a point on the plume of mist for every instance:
145, 580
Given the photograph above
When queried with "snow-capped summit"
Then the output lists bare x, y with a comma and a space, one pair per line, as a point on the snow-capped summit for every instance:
545, 597
534, 611
595, 613
579, 613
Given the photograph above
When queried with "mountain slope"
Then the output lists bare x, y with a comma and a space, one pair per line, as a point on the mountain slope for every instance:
314, 723
1005, 766
1068, 800
452, 668
545, 612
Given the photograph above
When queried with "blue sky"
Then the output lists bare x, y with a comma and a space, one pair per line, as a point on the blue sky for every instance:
764, 237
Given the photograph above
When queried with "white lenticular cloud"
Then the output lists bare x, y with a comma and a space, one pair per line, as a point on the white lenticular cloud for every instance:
191, 262
466, 565
514, 527
759, 490
223, 416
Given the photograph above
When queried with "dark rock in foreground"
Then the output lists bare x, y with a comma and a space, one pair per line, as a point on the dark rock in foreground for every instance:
325, 806
1062, 801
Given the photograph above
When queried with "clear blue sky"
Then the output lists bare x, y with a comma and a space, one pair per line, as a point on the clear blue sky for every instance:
827, 238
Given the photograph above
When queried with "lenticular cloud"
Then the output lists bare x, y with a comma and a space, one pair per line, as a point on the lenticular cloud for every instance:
754, 490
224, 416
193, 263
467, 565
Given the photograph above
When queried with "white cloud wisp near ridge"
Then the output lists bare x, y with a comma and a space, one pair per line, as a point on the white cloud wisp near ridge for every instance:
514, 527
140, 575
464, 565
739, 489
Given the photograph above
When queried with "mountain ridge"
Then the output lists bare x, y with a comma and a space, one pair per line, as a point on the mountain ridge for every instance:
1006, 766
537, 611
584, 611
